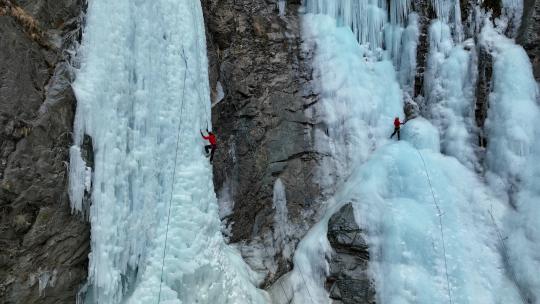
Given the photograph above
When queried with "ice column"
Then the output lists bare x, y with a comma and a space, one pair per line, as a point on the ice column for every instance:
281, 7
282, 228
449, 93
513, 156
143, 95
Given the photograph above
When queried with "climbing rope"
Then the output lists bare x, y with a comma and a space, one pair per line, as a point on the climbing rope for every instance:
198, 49
207, 119
204, 107
281, 283
199, 95
275, 271
305, 285
439, 214
505, 256
174, 171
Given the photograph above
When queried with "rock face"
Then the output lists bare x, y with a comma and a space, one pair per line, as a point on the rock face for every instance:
43, 247
256, 60
529, 33
483, 89
349, 281
425, 12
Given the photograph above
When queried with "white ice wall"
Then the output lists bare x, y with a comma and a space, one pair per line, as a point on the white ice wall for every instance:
449, 91
512, 156
143, 95
431, 222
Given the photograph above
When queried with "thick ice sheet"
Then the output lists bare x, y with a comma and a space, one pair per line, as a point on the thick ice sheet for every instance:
142, 85
512, 157
430, 221
449, 88
355, 107
394, 202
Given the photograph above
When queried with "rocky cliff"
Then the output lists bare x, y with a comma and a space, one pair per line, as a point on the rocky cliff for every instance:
43, 247
260, 80
529, 33
261, 83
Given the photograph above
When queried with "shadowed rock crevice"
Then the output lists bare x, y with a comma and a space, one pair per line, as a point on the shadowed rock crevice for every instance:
255, 56
483, 89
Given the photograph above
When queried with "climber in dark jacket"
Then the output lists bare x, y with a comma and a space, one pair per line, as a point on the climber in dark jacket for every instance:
213, 143
397, 126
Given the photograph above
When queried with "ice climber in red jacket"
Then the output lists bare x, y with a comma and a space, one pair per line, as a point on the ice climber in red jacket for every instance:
213, 143
397, 126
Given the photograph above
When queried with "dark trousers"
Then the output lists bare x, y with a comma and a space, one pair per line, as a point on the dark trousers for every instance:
208, 147
396, 130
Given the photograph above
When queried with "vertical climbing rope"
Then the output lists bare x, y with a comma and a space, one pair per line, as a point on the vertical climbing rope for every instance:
199, 96
198, 49
505, 257
275, 271
174, 172
280, 283
305, 284
439, 214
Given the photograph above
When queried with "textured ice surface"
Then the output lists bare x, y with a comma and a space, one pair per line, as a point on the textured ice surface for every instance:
449, 93
359, 98
407, 58
355, 106
512, 156
510, 19
142, 85
282, 227
400, 207
427, 216
366, 19
281, 7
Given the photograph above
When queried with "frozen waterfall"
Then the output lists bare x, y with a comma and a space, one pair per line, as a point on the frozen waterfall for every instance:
434, 223
143, 95
446, 221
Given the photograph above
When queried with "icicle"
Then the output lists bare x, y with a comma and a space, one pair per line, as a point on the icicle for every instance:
449, 93
407, 64
282, 229
512, 10
512, 156
458, 27
365, 18
449, 12
399, 10
80, 179
281, 7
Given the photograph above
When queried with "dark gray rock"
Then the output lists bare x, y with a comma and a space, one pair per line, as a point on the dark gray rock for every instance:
483, 89
262, 131
349, 281
43, 247
425, 13
529, 33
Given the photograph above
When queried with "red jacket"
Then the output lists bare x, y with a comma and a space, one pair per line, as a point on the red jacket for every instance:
211, 138
397, 123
